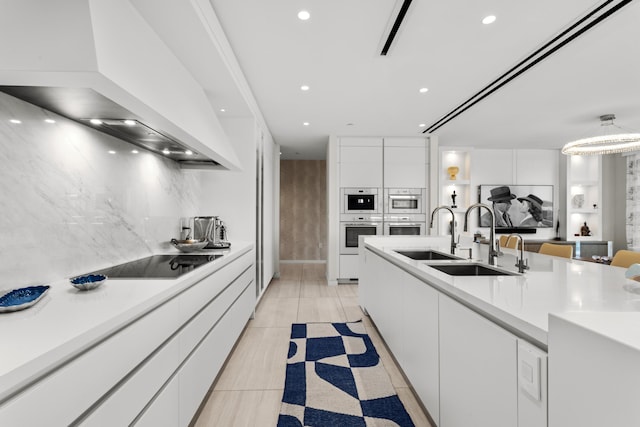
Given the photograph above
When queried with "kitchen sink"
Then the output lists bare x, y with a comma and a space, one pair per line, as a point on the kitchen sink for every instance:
468, 269
427, 255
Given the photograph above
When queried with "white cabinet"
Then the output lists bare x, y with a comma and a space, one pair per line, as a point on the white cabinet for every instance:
153, 371
478, 373
405, 311
584, 190
349, 267
383, 290
420, 360
204, 363
360, 162
164, 411
405, 163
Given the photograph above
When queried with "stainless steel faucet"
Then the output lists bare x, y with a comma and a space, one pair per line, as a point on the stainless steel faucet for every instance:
493, 253
521, 264
453, 226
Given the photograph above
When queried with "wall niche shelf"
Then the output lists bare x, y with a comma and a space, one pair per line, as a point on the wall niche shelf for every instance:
461, 158
583, 192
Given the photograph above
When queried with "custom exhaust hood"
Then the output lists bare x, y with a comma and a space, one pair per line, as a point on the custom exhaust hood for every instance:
79, 63
88, 107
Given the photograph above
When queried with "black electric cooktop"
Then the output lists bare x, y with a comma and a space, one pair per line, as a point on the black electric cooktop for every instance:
157, 267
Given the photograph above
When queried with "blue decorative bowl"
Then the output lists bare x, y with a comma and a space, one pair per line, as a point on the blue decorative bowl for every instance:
19, 299
89, 281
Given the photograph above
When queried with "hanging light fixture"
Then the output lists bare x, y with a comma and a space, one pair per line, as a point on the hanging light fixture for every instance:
613, 140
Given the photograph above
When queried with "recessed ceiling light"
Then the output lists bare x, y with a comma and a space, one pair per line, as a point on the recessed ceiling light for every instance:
15, 121
303, 15
422, 125
489, 19
135, 151
166, 151
96, 121
130, 122
112, 152
222, 110
306, 123
304, 87
188, 152
423, 90
49, 120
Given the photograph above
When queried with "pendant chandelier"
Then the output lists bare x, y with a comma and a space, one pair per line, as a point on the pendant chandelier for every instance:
613, 140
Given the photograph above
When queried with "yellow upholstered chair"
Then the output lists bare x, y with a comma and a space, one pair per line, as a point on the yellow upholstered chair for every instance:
565, 251
624, 258
509, 242
512, 243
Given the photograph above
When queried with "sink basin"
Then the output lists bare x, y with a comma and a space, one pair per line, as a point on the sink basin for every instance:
426, 255
470, 270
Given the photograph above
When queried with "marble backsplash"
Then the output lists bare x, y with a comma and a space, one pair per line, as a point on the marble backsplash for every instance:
75, 199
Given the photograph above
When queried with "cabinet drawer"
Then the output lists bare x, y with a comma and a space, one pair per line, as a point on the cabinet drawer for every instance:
165, 409
203, 365
124, 405
66, 393
194, 298
199, 326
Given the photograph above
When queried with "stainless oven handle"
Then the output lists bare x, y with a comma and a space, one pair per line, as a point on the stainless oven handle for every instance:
405, 224
362, 224
403, 197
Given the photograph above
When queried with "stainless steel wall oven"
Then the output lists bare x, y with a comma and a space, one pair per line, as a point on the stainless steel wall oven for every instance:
405, 225
352, 228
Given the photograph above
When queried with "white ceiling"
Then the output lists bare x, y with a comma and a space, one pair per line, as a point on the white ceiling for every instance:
442, 45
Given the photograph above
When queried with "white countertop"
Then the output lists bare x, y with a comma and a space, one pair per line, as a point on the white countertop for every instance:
67, 321
522, 303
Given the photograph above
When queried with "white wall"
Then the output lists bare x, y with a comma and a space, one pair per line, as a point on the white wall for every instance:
231, 195
271, 203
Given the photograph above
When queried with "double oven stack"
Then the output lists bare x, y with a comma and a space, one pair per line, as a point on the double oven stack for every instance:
372, 212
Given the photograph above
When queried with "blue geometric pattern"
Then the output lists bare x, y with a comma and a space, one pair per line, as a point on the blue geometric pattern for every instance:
335, 378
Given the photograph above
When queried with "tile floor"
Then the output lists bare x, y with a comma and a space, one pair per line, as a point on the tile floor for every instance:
248, 391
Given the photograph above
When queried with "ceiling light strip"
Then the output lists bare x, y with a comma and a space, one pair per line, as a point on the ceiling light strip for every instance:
395, 27
531, 60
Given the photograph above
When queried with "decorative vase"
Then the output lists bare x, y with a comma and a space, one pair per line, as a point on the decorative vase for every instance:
453, 171
577, 201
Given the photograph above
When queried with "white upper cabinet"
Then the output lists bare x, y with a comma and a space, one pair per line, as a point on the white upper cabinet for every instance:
360, 162
405, 163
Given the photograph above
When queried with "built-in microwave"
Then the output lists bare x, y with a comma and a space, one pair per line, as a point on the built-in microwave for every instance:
360, 201
404, 200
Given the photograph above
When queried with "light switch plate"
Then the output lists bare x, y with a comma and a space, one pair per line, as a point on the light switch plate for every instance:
529, 371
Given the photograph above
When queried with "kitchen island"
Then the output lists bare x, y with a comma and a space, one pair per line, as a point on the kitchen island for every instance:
141, 351
475, 347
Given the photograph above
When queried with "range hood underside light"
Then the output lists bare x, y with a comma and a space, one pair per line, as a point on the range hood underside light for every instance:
84, 104
145, 137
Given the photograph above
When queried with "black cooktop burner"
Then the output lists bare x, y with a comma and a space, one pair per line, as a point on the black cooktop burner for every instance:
157, 267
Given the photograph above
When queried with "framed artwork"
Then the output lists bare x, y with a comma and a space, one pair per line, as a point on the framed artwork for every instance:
517, 206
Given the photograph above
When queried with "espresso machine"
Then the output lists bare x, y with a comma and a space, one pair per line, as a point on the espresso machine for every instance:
213, 229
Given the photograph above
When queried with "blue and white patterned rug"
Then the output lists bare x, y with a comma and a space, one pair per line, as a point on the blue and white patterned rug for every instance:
335, 378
